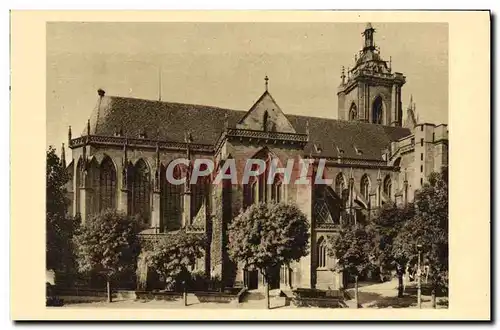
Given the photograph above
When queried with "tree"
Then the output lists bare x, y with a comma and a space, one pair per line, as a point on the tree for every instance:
107, 243
59, 225
353, 249
429, 228
173, 256
268, 235
386, 227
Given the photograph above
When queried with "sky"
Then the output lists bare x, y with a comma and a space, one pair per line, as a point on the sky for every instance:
224, 65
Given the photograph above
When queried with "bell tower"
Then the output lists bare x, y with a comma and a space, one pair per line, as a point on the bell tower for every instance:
370, 92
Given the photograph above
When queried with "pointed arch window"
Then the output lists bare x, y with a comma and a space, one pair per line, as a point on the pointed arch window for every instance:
141, 191
339, 184
322, 253
276, 189
388, 186
377, 111
198, 193
265, 120
107, 185
93, 185
251, 192
365, 187
171, 200
353, 112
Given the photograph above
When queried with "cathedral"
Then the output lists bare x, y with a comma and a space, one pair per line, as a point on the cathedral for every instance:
372, 155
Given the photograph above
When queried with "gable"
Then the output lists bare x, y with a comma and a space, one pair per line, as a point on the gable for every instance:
266, 112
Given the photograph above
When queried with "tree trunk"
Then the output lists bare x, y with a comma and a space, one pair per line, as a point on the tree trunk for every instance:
268, 303
108, 289
184, 293
356, 300
400, 284
433, 295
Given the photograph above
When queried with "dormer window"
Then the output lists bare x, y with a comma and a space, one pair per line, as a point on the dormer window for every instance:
340, 151
143, 135
317, 148
358, 151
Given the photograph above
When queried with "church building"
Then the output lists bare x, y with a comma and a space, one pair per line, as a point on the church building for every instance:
373, 153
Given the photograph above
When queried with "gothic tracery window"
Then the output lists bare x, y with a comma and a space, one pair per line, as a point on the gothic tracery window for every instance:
388, 185
107, 185
340, 184
171, 200
322, 253
93, 185
198, 193
276, 189
140, 191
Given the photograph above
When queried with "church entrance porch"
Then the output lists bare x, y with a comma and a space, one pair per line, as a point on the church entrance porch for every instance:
251, 279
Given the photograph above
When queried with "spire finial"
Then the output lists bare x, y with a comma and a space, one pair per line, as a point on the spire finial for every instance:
267, 82
379, 175
368, 34
63, 156
390, 63
342, 76
69, 134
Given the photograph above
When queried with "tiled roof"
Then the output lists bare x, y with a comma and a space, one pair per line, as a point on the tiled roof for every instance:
169, 121
160, 120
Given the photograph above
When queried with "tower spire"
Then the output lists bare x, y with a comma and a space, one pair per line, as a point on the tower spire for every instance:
63, 156
368, 34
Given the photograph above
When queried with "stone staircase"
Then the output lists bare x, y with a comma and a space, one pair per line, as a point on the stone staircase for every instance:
276, 296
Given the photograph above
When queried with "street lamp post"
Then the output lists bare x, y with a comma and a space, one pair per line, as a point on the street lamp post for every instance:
419, 283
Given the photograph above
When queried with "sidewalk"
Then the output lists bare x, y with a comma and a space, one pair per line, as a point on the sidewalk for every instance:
380, 295
385, 295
